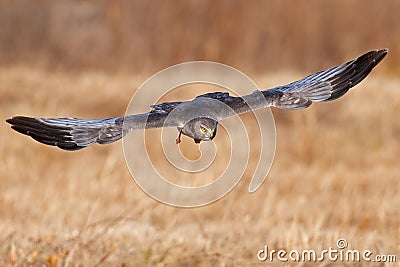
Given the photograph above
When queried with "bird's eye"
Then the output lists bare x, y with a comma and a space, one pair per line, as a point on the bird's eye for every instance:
203, 129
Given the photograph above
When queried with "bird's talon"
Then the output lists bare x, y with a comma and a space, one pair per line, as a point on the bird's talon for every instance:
178, 140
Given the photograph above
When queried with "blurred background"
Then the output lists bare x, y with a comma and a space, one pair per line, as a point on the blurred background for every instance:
142, 36
335, 173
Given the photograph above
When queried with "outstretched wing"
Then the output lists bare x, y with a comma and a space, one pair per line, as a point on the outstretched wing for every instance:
75, 134
68, 133
322, 86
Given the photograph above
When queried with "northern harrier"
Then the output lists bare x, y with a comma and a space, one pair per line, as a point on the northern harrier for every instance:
74, 134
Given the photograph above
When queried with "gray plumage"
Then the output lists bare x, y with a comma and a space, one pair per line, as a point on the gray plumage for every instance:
198, 118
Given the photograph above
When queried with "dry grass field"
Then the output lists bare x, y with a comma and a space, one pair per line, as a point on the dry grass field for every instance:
336, 171
335, 175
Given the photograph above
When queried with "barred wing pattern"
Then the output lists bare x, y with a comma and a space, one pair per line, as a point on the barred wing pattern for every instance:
326, 85
68, 133
319, 87
74, 134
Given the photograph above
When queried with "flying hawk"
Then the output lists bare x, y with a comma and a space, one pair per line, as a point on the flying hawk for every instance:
198, 118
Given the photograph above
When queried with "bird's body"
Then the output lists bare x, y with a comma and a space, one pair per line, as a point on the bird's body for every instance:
198, 118
207, 126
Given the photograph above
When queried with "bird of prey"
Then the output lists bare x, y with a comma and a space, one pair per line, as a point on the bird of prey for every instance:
74, 134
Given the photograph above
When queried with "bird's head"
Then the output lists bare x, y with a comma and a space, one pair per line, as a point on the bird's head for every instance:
201, 129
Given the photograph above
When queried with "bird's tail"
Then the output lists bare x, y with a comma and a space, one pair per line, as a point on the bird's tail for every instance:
69, 133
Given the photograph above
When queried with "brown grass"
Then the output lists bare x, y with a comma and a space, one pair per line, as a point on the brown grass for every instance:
335, 174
